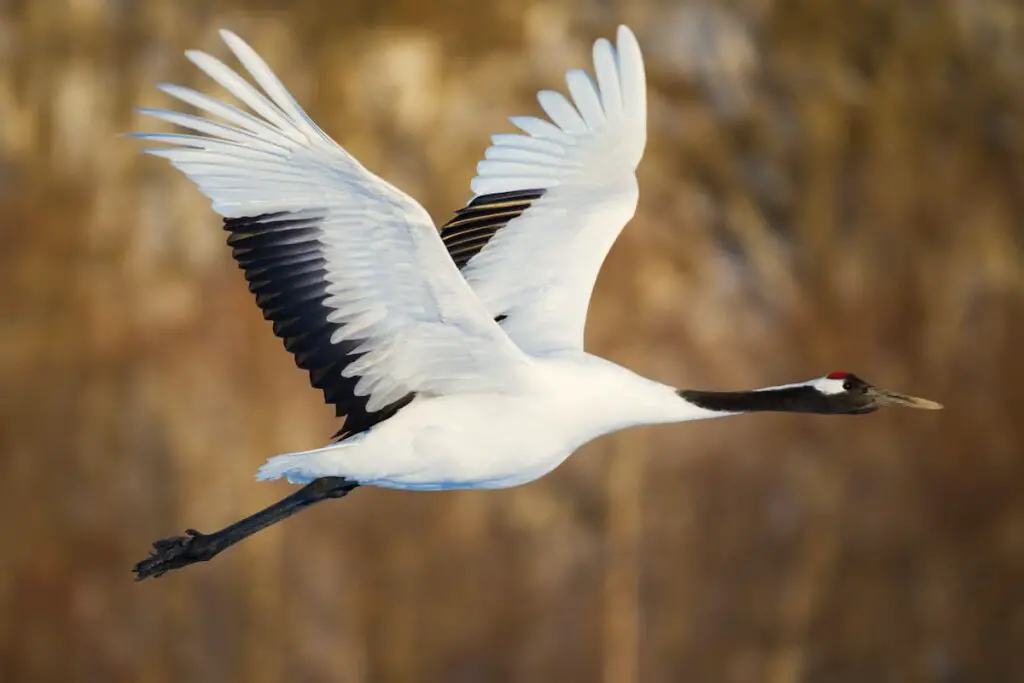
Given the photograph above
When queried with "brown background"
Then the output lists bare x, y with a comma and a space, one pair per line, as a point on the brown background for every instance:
828, 185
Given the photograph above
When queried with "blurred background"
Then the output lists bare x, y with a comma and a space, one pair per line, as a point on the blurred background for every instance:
827, 185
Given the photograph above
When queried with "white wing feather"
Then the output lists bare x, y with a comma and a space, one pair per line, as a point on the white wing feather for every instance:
419, 326
539, 270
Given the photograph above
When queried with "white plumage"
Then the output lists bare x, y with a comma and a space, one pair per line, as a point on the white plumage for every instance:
586, 161
486, 407
457, 359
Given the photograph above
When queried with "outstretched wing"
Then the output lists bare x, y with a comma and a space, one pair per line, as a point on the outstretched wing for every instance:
350, 270
550, 203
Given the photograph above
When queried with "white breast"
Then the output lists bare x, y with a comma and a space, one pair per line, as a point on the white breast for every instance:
491, 440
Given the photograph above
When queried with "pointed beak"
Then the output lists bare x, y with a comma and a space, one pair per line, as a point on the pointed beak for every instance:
884, 397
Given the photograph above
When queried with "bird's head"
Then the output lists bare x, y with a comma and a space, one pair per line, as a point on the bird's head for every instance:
843, 393
837, 393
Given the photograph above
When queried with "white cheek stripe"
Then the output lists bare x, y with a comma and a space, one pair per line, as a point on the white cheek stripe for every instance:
828, 386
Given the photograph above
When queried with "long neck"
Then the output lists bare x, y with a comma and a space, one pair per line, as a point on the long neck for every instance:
615, 398
793, 398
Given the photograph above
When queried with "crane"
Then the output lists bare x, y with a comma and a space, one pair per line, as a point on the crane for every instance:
456, 356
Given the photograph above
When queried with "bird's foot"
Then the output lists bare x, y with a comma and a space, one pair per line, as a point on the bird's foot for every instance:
174, 553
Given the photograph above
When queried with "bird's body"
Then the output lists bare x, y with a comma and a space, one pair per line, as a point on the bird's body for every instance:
495, 439
456, 358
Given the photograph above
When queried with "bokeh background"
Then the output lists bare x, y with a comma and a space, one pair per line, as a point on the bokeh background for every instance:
828, 185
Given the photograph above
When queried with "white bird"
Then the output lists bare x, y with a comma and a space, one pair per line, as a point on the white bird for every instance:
456, 359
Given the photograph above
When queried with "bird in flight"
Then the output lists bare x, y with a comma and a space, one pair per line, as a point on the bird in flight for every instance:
455, 357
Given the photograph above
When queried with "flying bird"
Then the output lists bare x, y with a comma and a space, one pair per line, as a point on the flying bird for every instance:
456, 356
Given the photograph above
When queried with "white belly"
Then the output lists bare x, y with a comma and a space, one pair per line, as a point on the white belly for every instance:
485, 440
478, 441
467, 442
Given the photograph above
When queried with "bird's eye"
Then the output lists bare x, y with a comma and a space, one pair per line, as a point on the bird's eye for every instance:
847, 385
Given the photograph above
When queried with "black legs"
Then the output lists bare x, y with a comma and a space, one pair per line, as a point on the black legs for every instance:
180, 551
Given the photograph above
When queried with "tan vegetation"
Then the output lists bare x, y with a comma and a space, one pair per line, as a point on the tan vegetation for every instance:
828, 185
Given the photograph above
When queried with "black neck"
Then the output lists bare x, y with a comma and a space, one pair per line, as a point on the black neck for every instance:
801, 399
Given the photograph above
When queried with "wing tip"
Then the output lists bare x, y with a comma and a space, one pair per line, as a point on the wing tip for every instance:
197, 56
167, 88
630, 56
613, 93
241, 49
625, 35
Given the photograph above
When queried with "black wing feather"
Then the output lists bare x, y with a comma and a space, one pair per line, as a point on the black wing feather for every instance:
474, 225
283, 261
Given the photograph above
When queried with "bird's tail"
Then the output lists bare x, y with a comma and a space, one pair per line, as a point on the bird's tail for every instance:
295, 467
302, 467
